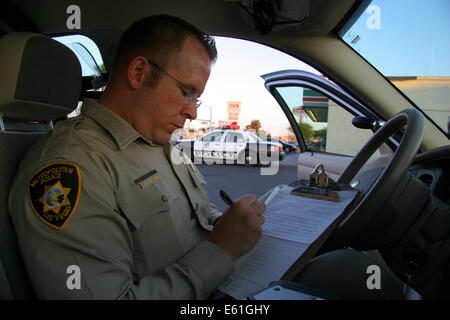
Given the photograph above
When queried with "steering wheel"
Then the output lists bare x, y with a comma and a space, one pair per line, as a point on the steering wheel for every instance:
357, 222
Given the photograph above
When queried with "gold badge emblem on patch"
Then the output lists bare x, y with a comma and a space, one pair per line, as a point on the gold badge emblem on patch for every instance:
54, 191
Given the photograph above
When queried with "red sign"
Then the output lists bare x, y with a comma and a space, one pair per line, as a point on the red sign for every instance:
234, 106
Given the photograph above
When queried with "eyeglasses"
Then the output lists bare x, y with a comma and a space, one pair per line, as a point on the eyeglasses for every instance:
189, 94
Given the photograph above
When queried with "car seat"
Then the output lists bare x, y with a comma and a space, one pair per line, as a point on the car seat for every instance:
40, 82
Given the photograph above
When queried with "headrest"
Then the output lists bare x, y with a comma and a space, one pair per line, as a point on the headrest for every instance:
40, 78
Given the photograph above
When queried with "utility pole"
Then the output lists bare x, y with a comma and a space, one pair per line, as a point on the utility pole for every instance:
210, 113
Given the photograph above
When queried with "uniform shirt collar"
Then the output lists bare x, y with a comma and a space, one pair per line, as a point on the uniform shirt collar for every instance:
121, 131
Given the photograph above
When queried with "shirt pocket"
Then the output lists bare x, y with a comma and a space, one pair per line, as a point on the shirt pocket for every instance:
139, 204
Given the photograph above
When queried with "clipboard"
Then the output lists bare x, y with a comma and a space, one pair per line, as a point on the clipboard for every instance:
251, 270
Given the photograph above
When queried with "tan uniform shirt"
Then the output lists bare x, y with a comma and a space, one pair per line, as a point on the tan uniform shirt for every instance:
103, 213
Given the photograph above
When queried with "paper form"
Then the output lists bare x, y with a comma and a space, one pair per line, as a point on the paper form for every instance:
292, 224
302, 219
260, 266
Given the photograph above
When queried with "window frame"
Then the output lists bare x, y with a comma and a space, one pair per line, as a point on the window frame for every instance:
289, 78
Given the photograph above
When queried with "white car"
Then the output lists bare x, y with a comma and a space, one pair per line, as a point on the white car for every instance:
232, 146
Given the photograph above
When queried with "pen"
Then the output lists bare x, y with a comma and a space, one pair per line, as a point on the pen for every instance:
272, 194
226, 198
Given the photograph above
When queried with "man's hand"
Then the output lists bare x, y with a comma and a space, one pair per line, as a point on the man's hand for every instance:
239, 228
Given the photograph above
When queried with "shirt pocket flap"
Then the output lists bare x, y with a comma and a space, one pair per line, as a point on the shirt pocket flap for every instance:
138, 204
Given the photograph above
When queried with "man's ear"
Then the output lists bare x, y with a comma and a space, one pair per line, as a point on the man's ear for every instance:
137, 72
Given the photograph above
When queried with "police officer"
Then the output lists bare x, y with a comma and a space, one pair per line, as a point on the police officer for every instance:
108, 196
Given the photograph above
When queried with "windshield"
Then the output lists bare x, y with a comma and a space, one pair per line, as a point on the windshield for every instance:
408, 41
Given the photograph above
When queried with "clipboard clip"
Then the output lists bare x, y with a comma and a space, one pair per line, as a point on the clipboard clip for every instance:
319, 178
320, 186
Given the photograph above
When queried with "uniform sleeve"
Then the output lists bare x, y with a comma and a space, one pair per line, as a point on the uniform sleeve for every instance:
215, 213
92, 256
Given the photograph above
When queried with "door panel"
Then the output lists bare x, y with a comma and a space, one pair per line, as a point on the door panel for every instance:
234, 144
204, 148
335, 164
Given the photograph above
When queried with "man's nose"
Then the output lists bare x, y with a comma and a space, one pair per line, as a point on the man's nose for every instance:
190, 111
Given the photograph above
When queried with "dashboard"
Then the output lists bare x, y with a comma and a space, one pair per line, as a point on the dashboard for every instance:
433, 169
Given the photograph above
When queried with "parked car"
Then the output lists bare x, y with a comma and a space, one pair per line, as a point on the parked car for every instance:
385, 61
287, 146
232, 146
295, 144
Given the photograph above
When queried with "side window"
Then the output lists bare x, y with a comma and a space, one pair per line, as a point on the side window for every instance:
86, 51
324, 124
214, 136
90, 59
234, 137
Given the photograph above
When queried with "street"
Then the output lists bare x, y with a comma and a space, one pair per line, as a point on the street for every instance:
237, 180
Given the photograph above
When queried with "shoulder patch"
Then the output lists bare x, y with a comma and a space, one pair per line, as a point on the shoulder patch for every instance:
54, 191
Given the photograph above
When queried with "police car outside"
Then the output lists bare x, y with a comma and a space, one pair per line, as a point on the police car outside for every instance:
232, 147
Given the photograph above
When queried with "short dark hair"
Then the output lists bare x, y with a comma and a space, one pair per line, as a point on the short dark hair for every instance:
158, 37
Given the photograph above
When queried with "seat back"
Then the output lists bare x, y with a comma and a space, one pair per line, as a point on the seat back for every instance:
13, 276
40, 80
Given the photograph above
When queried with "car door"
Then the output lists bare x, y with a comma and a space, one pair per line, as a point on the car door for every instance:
233, 145
206, 146
217, 149
321, 114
